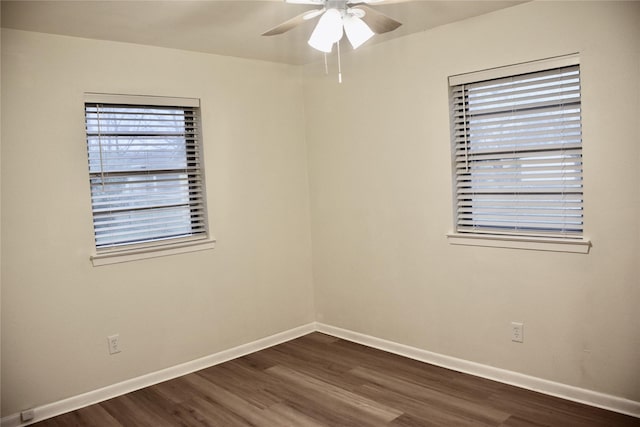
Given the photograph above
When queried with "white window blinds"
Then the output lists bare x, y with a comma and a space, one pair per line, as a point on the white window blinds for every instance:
147, 183
518, 154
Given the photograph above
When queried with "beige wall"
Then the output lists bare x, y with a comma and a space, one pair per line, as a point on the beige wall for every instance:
381, 202
57, 309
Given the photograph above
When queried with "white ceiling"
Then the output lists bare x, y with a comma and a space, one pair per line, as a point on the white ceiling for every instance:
230, 28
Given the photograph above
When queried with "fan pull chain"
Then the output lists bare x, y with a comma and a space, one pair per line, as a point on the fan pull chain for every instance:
326, 66
339, 65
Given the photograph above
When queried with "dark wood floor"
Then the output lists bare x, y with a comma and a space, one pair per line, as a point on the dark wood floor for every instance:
318, 380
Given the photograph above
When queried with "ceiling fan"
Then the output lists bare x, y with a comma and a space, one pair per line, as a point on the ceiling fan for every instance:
337, 17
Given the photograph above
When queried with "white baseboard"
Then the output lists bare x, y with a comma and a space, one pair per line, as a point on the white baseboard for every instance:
76, 402
600, 400
576, 394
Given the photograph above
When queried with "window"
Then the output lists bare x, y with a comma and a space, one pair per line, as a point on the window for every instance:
145, 171
517, 151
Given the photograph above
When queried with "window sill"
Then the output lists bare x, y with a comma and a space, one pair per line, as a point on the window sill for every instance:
150, 252
580, 246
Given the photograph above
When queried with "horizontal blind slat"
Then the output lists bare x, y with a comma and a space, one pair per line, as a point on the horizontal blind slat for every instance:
515, 155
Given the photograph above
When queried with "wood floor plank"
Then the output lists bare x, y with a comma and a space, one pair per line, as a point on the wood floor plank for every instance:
91, 416
236, 378
129, 410
293, 418
326, 410
176, 391
549, 410
308, 358
319, 380
204, 411
234, 403
519, 422
464, 385
435, 398
417, 411
330, 371
359, 403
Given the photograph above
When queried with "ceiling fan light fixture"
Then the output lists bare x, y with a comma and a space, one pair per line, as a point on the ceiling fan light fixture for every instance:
327, 32
357, 31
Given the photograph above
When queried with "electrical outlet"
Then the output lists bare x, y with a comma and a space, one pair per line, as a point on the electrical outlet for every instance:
517, 331
27, 415
114, 343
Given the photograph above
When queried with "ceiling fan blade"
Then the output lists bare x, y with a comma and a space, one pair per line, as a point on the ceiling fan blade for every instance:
292, 23
378, 22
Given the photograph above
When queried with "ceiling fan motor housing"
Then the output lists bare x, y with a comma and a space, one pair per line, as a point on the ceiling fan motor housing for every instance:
336, 4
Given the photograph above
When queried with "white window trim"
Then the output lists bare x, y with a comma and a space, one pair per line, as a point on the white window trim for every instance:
578, 245
166, 101
116, 257
109, 256
510, 70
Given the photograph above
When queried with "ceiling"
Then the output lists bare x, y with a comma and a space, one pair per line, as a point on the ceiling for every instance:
231, 28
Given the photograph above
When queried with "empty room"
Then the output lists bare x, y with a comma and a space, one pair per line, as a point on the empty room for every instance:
320, 213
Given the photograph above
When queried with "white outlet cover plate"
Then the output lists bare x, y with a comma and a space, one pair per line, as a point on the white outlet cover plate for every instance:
114, 343
517, 331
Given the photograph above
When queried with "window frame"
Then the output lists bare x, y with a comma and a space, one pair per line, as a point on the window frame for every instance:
156, 246
547, 242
